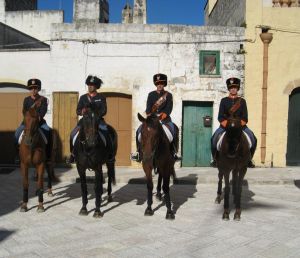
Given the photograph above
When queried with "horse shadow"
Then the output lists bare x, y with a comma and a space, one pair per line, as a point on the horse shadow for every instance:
297, 183
5, 234
181, 191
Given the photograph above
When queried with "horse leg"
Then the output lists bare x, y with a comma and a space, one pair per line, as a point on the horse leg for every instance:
111, 179
226, 196
49, 169
166, 189
81, 171
158, 188
234, 185
40, 186
98, 191
237, 214
24, 171
219, 191
148, 172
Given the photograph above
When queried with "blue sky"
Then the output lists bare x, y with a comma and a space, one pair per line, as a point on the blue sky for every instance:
189, 12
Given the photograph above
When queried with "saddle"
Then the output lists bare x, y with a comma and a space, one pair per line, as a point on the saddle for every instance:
40, 132
221, 137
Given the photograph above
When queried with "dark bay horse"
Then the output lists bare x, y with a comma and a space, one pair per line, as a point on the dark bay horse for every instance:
91, 153
156, 152
32, 151
233, 156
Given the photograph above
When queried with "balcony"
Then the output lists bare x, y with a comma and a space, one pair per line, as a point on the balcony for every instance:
286, 3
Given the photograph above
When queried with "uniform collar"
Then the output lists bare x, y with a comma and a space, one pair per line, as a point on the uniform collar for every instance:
92, 94
36, 97
233, 97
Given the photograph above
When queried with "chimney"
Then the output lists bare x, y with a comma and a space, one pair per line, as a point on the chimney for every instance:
140, 11
91, 10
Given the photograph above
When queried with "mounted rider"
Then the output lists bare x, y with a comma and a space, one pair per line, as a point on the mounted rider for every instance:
160, 103
98, 101
41, 104
237, 105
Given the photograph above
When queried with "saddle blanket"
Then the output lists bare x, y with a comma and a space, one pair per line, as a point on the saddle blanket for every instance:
219, 143
41, 133
167, 132
100, 134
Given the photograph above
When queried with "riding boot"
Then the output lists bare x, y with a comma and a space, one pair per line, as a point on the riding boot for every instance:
174, 149
71, 158
213, 163
137, 156
17, 156
251, 162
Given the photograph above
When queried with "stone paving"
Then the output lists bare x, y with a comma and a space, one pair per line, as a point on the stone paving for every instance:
269, 226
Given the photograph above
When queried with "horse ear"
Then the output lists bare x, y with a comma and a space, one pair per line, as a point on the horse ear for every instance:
141, 118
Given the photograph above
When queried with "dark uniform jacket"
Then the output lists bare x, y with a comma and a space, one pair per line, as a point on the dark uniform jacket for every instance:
41, 110
166, 107
225, 106
99, 102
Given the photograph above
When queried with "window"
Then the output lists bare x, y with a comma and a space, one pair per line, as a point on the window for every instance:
209, 62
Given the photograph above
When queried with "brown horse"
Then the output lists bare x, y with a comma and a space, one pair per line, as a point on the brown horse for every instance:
156, 152
234, 156
32, 152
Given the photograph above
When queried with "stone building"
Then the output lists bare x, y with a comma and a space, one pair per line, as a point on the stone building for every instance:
272, 82
197, 60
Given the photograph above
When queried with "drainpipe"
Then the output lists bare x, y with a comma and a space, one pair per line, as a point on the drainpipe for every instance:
266, 38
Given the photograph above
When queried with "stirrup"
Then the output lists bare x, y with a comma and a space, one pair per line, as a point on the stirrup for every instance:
70, 159
251, 164
177, 158
213, 163
135, 157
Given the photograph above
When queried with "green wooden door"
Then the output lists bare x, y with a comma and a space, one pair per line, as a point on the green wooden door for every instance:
293, 143
196, 137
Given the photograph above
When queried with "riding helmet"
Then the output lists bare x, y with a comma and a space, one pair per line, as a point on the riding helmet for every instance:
160, 78
233, 82
34, 83
93, 80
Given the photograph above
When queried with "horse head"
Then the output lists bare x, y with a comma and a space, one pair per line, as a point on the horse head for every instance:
89, 133
233, 135
31, 121
151, 133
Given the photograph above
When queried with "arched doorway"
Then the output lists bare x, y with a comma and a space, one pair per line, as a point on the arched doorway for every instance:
11, 104
293, 142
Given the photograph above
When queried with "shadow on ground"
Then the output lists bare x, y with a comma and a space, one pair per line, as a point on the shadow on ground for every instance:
5, 234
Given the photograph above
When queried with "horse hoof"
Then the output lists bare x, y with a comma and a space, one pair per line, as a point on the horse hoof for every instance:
148, 212
170, 215
40, 209
237, 217
109, 199
218, 200
23, 209
98, 214
50, 194
114, 181
158, 196
225, 216
83, 212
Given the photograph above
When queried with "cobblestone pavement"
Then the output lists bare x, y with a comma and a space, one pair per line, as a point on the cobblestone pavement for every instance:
269, 226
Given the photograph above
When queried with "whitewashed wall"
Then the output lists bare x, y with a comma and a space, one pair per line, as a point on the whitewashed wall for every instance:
126, 56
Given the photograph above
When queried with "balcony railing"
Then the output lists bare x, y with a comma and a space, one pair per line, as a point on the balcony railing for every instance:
286, 3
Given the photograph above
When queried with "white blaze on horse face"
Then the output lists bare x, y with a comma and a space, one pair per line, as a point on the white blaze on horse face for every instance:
149, 129
232, 124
